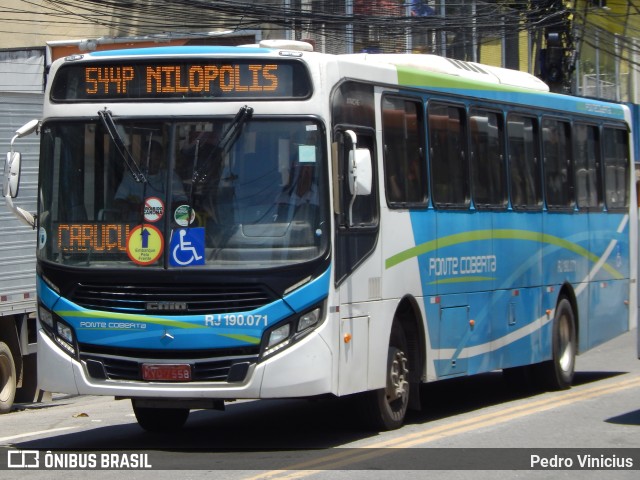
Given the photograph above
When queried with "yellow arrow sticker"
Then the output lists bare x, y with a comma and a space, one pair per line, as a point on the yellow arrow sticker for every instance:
145, 244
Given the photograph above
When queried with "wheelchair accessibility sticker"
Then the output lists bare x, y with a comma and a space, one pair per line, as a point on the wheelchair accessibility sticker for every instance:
187, 247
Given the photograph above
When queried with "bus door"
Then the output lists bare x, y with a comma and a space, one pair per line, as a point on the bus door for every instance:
590, 203
519, 245
608, 317
456, 243
357, 261
357, 264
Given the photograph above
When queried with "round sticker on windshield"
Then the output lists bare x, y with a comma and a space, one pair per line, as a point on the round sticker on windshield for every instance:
153, 209
184, 215
145, 244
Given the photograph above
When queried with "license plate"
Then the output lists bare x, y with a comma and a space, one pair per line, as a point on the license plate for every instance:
166, 372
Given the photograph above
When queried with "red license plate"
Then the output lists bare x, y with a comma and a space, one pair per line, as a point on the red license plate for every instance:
166, 372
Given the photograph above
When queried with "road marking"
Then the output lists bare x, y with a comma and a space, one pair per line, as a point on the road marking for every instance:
4, 440
351, 456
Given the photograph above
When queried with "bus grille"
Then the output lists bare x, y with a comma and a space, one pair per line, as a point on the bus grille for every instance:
218, 366
172, 299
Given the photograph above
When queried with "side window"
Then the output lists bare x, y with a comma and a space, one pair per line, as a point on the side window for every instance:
404, 160
587, 166
524, 162
616, 167
448, 154
488, 184
558, 176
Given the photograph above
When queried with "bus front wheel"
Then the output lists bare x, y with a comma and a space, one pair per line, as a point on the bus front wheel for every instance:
385, 409
557, 373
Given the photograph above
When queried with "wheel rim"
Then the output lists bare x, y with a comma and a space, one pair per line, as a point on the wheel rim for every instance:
397, 384
5, 377
565, 344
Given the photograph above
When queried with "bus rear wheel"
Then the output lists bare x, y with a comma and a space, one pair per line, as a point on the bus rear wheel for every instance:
557, 373
7, 378
160, 420
385, 409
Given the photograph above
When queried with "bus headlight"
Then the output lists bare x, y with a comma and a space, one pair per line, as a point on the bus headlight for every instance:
64, 332
308, 320
279, 335
289, 332
58, 330
45, 316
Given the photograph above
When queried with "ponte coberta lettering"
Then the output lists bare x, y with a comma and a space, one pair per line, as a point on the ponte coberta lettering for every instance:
462, 265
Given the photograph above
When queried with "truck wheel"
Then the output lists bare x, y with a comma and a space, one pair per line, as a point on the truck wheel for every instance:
7, 378
385, 409
160, 420
28, 392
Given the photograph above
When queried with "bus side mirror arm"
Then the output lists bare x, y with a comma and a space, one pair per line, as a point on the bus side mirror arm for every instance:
360, 172
12, 169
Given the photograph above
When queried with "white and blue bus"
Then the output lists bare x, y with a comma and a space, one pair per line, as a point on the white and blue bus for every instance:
219, 223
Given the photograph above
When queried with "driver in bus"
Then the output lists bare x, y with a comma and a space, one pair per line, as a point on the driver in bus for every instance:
128, 197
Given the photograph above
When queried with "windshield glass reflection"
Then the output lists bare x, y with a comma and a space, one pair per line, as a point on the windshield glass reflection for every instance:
191, 199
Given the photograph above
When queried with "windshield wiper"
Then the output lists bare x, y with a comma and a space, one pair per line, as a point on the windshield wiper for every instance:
227, 140
110, 126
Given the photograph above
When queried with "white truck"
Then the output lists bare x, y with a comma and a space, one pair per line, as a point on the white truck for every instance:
18, 376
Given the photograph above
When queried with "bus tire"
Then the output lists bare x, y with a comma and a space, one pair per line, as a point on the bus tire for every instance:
557, 373
7, 378
385, 409
160, 420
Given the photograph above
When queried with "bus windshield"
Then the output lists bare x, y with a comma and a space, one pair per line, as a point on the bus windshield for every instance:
232, 193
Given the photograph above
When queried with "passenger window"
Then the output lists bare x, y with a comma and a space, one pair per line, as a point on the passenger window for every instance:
488, 182
587, 166
524, 163
448, 153
616, 168
404, 159
558, 176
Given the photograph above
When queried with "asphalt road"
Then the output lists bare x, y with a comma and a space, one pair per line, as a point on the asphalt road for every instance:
477, 427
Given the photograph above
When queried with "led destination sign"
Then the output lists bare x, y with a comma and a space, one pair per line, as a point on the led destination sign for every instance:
177, 79
92, 237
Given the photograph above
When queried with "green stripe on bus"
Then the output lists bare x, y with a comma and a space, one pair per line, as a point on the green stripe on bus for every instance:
242, 338
504, 234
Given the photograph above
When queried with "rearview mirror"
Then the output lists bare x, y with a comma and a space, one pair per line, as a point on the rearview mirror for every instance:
360, 174
360, 171
14, 160
12, 174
